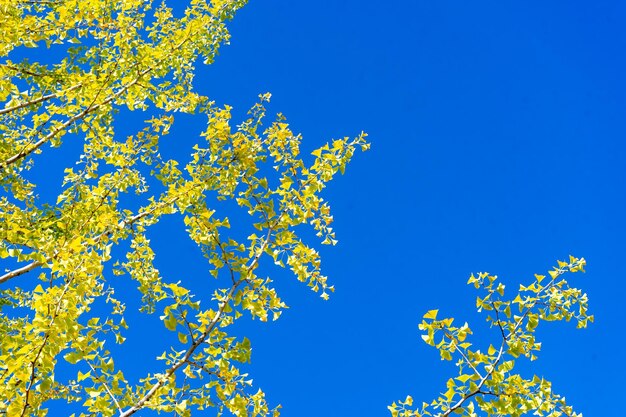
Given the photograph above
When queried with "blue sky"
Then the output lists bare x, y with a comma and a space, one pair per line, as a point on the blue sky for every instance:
497, 133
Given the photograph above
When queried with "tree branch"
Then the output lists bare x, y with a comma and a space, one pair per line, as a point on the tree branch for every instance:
106, 387
188, 354
90, 109
480, 384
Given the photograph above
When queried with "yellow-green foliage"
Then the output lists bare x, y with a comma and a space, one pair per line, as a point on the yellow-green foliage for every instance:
487, 383
136, 56
132, 55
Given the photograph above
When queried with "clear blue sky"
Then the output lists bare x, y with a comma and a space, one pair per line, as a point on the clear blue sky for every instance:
498, 143
497, 133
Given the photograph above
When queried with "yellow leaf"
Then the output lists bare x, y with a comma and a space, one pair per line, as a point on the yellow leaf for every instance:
82, 376
463, 378
431, 314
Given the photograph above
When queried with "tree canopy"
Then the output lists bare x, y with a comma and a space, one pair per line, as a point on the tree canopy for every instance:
69, 68
486, 381
136, 56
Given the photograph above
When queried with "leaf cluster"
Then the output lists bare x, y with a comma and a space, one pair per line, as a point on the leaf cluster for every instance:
487, 381
65, 259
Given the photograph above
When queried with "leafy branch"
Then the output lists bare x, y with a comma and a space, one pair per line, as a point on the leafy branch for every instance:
499, 391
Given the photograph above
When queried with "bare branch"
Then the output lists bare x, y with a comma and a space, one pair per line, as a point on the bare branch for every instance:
19, 271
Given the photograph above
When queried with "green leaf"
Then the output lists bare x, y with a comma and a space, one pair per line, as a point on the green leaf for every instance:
170, 322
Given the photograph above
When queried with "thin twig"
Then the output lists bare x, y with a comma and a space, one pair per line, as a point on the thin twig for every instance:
106, 387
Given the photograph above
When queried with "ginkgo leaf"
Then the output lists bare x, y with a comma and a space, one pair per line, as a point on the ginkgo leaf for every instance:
170, 322
431, 314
